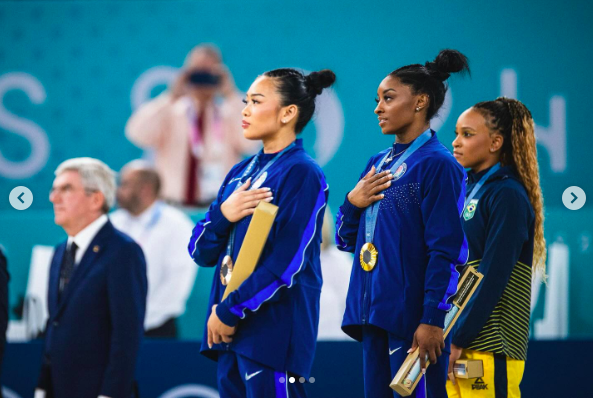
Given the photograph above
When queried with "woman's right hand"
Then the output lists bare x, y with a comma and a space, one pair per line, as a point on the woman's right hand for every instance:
242, 202
368, 189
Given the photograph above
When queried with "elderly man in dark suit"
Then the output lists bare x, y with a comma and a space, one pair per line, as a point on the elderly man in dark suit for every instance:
97, 291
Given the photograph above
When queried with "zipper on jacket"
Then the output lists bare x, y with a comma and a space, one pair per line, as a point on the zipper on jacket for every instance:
365, 298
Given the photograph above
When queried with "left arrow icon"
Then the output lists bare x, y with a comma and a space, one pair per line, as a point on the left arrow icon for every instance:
21, 198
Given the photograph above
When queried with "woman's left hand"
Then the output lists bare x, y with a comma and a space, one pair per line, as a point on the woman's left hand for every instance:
455, 355
218, 331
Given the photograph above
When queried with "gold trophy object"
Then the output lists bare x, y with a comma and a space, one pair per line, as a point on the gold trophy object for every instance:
253, 245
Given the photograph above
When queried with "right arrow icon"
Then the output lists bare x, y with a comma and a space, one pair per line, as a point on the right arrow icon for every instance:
574, 196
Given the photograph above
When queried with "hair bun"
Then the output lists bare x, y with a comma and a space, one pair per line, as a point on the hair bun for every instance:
447, 62
317, 81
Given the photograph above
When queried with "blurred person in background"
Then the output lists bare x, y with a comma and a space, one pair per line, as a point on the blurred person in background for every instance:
162, 232
4, 277
335, 268
96, 291
503, 221
194, 129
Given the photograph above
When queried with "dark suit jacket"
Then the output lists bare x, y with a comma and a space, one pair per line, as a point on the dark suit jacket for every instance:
3, 307
93, 334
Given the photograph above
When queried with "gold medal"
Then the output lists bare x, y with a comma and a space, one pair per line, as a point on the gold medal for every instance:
368, 256
226, 270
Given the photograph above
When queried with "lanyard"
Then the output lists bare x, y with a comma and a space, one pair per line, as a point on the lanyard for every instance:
372, 211
480, 183
154, 219
247, 171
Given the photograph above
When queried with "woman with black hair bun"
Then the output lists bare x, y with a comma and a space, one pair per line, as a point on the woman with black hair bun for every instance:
265, 332
402, 222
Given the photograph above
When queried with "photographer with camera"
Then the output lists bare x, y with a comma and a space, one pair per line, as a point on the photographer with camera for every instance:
194, 129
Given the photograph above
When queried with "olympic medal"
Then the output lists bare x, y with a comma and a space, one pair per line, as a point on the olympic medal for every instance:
226, 270
368, 256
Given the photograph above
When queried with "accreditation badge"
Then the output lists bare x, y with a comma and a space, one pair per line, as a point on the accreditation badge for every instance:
470, 209
226, 270
368, 256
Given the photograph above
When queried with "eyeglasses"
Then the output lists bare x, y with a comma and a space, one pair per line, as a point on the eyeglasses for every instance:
68, 188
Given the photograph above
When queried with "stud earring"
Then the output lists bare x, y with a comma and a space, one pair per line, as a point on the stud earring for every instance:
284, 121
418, 109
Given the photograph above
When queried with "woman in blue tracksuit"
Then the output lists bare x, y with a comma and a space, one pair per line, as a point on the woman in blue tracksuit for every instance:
266, 330
503, 221
402, 223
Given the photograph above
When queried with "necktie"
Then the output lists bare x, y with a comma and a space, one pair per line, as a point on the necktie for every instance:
193, 185
67, 268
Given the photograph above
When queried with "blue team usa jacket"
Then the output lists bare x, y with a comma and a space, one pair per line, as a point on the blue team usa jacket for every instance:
277, 307
419, 238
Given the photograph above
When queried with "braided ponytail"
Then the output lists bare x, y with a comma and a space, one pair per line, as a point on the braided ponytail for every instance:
514, 122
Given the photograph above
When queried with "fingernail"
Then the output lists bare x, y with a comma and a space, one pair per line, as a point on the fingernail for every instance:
268, 189
423, 371
382, 196
409, 351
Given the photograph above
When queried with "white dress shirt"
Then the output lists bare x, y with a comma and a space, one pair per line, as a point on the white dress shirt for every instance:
336, 267
84, 238
163, 232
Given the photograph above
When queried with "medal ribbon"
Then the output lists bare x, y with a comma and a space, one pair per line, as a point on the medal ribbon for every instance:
479, 184
371, 212
231, 242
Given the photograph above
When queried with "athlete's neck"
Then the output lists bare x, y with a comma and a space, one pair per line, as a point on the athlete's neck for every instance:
486, 164
409, 135
278, 141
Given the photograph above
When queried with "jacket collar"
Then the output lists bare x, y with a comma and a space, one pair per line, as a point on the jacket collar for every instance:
503, 173
97, 246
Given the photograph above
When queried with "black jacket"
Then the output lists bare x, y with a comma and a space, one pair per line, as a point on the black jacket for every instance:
499, 226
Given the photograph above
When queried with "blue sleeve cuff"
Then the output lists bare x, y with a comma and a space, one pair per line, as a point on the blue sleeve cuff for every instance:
219, 223
433, 316
350, 211
225, 315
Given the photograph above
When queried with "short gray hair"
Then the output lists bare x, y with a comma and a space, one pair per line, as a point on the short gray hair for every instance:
95, 175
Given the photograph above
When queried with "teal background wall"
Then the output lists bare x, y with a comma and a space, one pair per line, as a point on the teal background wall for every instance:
70, 73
